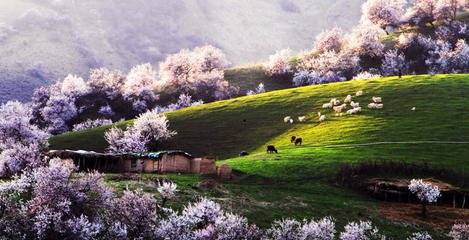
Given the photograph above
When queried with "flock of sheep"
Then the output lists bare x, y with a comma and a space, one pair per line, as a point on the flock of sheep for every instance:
335, 104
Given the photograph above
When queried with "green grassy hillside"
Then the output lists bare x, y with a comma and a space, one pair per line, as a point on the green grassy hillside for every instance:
300, 181
224, 128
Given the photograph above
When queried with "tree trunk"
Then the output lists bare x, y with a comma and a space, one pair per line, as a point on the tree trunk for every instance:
424, 210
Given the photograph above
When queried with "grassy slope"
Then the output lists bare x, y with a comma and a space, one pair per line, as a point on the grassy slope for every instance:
301, 179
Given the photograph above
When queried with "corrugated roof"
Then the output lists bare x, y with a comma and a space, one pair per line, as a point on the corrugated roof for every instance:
82, 153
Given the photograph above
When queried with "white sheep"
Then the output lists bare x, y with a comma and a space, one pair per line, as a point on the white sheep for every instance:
348, 99
287, 119
327, 105
354, 110
412, 109
375, 105
338, 114
359, 93
319, 114
291, 120
354, 104
340, 108
377, 99
335, 102
322, 118
303, 119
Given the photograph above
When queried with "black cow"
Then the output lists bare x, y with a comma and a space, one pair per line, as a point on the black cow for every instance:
271, 149
243, 153
298, 141
292, 139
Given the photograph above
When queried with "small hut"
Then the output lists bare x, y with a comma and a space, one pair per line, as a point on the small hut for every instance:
153, 162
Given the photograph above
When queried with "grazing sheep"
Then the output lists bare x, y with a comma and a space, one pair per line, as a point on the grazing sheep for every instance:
375, 106
338, 114
354, 104
412, 109
354, 110
287, 119
298, 141
291, 120
377, 99
243, 153
319, 114
340, 108
335, 102
322, 118
271, 149
348, 99
327, 105
292, 139
359, 93
303, 119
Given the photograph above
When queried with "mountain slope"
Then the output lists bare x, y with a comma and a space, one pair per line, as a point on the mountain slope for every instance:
45, 40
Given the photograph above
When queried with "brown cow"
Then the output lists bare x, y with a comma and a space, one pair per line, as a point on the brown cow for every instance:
298, 141
292, 139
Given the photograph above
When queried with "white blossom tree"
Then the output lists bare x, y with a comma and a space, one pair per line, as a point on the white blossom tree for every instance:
393, 63
459, 231
279, 63
448, 9
58, 110
420, 236
106, 81
199, 72
447, 60
383, 13
421, 12
73, 86
425, 191
147, 129
260, 89
20, 141
330, 40
127, 141
361, 230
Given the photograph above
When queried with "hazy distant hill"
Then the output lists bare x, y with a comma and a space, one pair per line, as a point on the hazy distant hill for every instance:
42, 40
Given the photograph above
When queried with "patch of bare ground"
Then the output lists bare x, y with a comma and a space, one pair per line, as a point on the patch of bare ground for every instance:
439, 217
